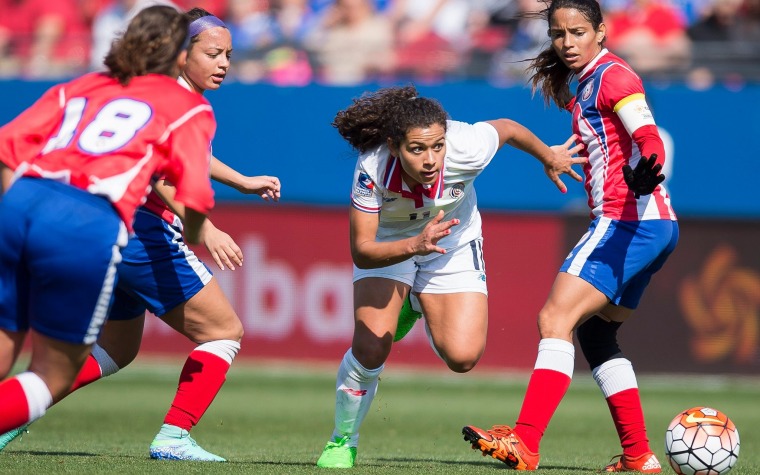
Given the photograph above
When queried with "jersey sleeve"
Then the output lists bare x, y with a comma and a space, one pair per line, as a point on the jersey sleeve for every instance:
25, 136
471, 146
627, 100
188, 149
365, 195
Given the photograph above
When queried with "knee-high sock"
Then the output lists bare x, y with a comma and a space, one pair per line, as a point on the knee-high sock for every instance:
23, 398
618, 383
201, 379
97, 365
355, 389
547, 386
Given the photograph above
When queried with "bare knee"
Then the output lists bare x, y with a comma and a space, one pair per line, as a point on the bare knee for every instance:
462, 360
371, 352
553, 325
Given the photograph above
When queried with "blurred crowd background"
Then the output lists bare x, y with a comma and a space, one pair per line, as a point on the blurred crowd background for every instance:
352, 42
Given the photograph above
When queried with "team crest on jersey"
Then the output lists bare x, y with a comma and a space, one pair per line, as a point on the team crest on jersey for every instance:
364, 185
457, 190
587, 91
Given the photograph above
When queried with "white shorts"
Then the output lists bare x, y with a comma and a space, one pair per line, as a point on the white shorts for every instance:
460, 270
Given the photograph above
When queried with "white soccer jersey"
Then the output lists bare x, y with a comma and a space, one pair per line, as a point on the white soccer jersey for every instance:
379, 188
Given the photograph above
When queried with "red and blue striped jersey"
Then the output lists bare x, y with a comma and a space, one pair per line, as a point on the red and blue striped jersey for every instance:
613, 120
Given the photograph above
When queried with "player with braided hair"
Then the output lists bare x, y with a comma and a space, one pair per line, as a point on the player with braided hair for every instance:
84, 155
161, 274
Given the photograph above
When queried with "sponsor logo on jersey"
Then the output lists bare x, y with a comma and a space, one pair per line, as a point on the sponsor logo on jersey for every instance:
364, 185
587, 91
457, 190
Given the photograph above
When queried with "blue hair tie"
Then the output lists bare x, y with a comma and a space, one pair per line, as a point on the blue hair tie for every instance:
202, 24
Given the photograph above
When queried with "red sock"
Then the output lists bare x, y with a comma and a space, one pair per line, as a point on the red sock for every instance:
545, 391
89, 373
14, 408
201, 379
628, 416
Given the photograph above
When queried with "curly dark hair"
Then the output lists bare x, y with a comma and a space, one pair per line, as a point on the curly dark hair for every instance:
387, 113
550, 74
154, 39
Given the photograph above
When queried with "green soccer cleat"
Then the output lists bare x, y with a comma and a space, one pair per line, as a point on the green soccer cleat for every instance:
11, 435
174, 443
406, 319
337, 454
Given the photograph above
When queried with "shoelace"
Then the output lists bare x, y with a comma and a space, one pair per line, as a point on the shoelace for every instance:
501, 431
613, 464
338, 443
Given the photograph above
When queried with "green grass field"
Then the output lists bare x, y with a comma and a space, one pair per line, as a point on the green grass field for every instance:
274, 419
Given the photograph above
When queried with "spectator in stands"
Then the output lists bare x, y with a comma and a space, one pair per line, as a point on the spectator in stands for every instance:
111, 22
725, 44
429, 34
527, 39
650, 35
352, 43
49, 39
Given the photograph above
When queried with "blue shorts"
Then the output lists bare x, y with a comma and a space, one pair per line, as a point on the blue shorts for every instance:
158, 271
620, 257
59, 248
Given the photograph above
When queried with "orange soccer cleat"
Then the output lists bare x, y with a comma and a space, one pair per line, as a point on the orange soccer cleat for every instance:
500, 442
645, 463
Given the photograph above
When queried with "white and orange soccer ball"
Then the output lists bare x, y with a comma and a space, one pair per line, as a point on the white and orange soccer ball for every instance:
702, 441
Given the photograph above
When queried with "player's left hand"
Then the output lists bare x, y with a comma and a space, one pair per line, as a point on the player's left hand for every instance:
267, 187
645, 178
223, 249
562, 161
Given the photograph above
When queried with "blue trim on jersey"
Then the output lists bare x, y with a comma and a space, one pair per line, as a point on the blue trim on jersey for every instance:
620, 257
158, 272
590, 108
59, 247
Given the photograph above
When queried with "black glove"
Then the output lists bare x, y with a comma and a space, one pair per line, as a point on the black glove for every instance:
643, 179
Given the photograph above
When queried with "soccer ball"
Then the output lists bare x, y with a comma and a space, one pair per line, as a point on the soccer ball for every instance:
702, 441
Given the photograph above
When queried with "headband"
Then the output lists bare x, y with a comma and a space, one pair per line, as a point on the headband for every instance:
202, 24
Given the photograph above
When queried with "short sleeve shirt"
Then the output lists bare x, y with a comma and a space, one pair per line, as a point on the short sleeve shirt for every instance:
379, 188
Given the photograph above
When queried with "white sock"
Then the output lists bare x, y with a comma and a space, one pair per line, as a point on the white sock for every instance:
38, 396
557, 355
614, 376
355, 389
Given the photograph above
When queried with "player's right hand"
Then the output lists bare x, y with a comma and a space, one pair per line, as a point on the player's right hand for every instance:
434, 231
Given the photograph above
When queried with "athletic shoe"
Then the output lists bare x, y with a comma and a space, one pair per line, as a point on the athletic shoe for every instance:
337, 454
406, 319
501, 443
11, 435
174, 443
646, 463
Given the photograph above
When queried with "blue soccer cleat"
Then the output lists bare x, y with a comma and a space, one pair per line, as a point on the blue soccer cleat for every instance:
174, 443
11, 435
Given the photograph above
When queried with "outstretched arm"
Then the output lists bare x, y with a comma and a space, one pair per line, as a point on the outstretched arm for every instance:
267, 187
557, 159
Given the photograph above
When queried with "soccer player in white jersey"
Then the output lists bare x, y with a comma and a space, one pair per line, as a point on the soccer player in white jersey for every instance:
632, 233
161, 274
415, 227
